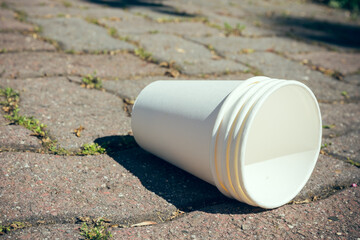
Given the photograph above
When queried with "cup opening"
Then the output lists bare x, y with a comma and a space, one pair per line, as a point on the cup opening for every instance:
281, 145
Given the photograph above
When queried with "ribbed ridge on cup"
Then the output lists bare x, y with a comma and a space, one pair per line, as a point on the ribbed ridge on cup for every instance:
228, 144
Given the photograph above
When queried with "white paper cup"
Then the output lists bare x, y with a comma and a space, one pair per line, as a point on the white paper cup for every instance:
256, 140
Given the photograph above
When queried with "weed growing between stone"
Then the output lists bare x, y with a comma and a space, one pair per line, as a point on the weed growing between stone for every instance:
352, 162
230, 30
113, 32
11, 108
12, 227
30, 123
20, 15
67, 4
96, 231
91, 81
144, 55
91, 149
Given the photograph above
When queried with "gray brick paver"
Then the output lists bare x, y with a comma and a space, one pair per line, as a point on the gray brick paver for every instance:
77, 34
129, 185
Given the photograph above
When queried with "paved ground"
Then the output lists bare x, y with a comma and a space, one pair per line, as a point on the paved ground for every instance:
51, 185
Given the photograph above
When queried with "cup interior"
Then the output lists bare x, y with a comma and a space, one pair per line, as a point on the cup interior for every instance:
282, 141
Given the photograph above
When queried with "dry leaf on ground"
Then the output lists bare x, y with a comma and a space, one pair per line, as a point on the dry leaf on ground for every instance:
146, 223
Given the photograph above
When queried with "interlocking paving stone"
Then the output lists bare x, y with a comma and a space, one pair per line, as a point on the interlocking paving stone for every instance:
317, 30
122, 66
346, 146
328, 176
232, 44
353, 79
340, 119
55, 10
249, 30
62, 188
127, 187
16, 137
64, 106
77, 34
131, 185
344, 63
18, 42
131, 88
272, 65
143, 26
48, 187
219, 15
285, 9
17, 3
163, 10
51, 231
9, 23
191, 57
333, 218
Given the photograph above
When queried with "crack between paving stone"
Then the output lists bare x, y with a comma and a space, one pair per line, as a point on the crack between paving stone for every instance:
28, 51
341, 101
20, 149
127, 222
340, 157
35, 221
321, 194
157, 61
253, 70
339, 134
